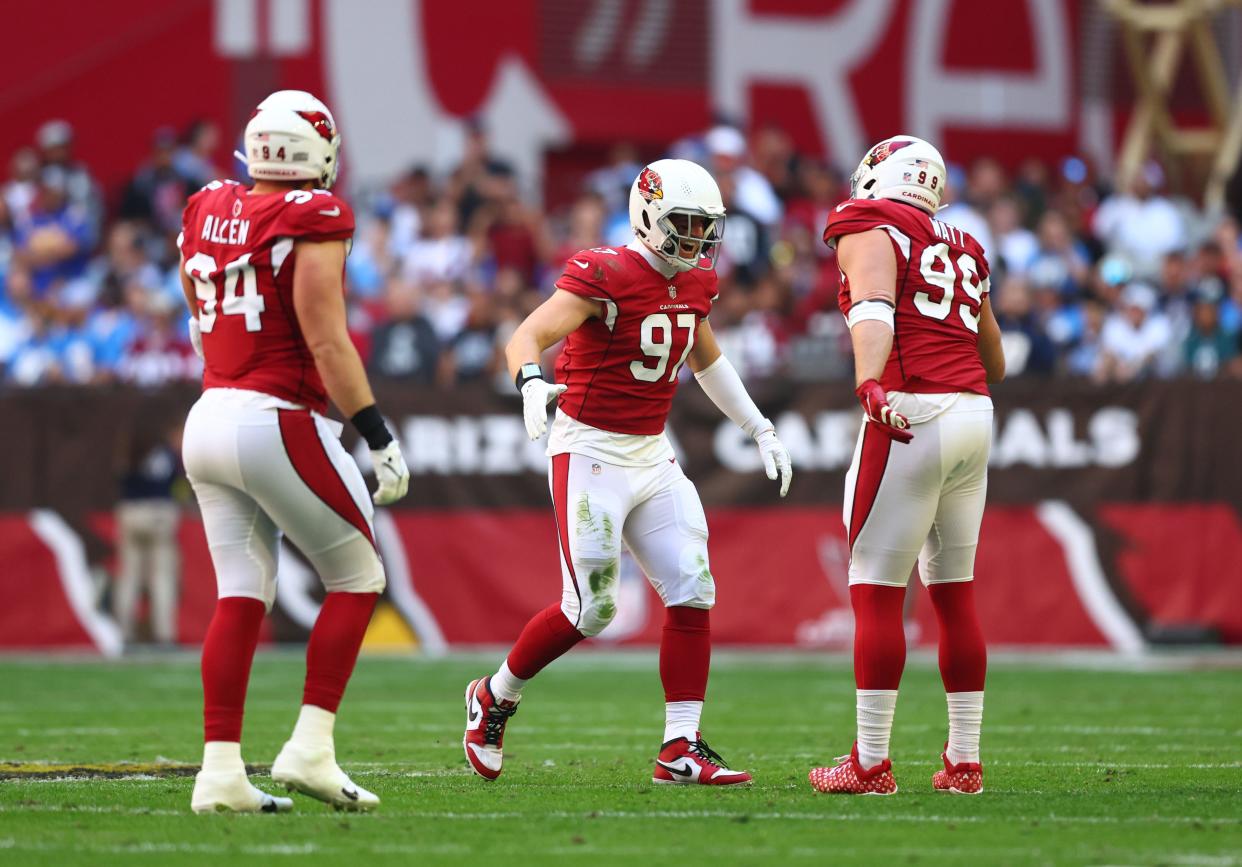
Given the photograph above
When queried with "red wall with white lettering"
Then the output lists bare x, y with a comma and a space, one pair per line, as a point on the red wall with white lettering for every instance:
988, 77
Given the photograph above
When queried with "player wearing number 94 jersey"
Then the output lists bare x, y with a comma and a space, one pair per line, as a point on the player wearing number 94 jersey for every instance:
631, 318
914, 291
262, 270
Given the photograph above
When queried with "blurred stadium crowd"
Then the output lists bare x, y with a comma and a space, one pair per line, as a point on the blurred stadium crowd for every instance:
1088, 281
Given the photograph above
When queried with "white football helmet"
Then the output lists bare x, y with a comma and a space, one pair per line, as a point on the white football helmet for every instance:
290, 137
904, 168
676, 210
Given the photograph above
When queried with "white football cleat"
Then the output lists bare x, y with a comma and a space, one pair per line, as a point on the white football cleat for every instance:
314, 772
231, 792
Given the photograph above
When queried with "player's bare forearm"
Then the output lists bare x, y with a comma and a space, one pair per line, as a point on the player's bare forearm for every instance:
551, 321
344, 377
870, 265
319, 301
991, 352
873, 341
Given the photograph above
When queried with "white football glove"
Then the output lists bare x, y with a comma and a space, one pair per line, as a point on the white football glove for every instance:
536, 395
775, 458
391, 473
196, 336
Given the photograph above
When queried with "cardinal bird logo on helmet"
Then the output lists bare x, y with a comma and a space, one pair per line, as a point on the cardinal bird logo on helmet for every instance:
884, 150
650, 186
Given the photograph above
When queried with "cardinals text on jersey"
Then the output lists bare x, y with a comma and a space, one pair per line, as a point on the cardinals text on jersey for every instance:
942, 279
622, 367
238, 249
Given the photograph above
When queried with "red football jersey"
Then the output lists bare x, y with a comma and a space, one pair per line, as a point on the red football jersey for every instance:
942, 279
622, 369
237, 247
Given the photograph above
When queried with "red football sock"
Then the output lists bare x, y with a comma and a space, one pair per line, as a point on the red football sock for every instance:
333, 647
879, 636
228, 651
547, 636
963, 653
685, 653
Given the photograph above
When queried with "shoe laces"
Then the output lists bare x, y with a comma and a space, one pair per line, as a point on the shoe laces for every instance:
703, 751
494, 726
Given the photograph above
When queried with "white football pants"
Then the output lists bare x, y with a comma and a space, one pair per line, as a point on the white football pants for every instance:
921, 501
259, 470
655, 510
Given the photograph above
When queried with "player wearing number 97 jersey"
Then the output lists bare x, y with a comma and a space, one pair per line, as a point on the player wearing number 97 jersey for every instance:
914, 291
631, 318
263, 274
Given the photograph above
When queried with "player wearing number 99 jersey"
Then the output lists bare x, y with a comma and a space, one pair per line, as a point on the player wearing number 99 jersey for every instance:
263, 271
914, 291
631, 317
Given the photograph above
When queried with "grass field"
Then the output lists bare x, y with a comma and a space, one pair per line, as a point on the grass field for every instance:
1082, 767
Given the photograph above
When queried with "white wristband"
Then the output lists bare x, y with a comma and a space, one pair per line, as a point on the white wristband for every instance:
878, 311
720, 382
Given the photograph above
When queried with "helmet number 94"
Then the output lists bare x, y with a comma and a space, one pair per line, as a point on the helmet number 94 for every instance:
937, 269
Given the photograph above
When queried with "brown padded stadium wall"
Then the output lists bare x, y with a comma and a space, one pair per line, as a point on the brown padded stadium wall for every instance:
1113, 519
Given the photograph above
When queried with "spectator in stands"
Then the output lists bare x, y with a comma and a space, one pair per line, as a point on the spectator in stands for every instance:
515, 233
147, 518
194, 161
1176, 287
55, 141
1028, 349
1016, 246
404, 346
470, 184
161, 353
409, 197
156, 194
23, 184
1133, 337
960, 211
53, 351
726, 149
585, 227
612, 182
443, 253
1140, 223
1208, 350
1062, 263
745, 247
820, 188
474, 354
773, 155
1083, 357
55, 241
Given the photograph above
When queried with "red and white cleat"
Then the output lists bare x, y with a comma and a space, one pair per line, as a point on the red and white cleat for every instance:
485, 729
849, 777
686, 762
964, 778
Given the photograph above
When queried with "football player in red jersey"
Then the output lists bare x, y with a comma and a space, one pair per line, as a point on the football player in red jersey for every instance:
263, 271
914, 291
631, 317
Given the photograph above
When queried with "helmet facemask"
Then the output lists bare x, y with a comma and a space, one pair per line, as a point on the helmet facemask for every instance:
691, 238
